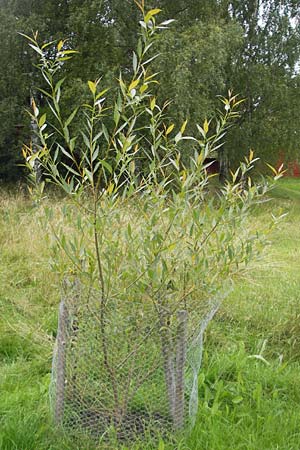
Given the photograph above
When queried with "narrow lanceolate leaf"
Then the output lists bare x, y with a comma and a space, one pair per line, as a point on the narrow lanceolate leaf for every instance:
92, 86
64, 151
89, 175
70, 52
71, 117
66, 134
58, 84
166, 23
116, 115
64, 58
106, 134
251, 154
98, 135
37, 49
106, 166
182, 129
139, 48
95, 154
70, 169
100, 94
152, 103
272, 168
134, 61
178, 137
143, 88
27, 37
58, 95
72, 143
205, 126
42, 120
47, 44
133, 85
151, 13
86, 140
60, 45
139, 5
170, 128
47, 94
150, 60
200, 129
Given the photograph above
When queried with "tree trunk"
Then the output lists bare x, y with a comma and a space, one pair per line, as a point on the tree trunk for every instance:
224, 165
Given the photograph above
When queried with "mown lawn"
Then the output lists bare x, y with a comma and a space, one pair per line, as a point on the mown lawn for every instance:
249, 386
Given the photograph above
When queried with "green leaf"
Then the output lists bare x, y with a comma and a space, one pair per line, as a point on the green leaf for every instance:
89, 175
45, 92
100, 94
71, 117
72, 143
95, 154
64, 151
42, 120
116, 115
64, 58
151, 13
139, 48
143, 88
86, 140
69, 52
105, 132
178, 137
59, 84
70, 169
202, 132
133, 85
152, 103
93, 87
134, 61
170, 128
95, 138
166, 23
237, 400
66, 134
60, 45
106, 165
205, 126
182, 129
27, 37
47, 44
37, 49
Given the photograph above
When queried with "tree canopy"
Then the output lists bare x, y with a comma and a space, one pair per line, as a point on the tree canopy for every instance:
251, 47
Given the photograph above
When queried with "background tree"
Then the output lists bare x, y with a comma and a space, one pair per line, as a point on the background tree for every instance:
265, 73
251, 47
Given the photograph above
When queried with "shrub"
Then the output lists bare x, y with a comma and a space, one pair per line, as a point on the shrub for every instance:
146, 248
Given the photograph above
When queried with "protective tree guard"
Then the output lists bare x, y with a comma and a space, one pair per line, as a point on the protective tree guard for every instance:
61, 363
179, 369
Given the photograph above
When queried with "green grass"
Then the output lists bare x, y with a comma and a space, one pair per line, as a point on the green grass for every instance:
249, 385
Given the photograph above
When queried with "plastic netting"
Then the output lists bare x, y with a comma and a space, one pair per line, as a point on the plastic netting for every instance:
130, 371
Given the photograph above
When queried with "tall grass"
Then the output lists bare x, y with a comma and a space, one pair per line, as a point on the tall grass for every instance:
249, 386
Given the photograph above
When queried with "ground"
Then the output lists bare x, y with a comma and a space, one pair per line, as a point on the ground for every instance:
249, 385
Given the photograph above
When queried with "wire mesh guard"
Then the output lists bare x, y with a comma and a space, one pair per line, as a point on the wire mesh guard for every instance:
131, 367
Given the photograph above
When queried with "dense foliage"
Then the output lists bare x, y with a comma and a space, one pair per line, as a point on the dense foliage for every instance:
141, 241
250, 46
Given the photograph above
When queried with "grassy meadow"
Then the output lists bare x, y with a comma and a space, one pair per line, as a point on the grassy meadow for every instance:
249, 385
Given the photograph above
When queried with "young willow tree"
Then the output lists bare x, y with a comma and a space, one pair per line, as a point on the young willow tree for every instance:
146, 255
